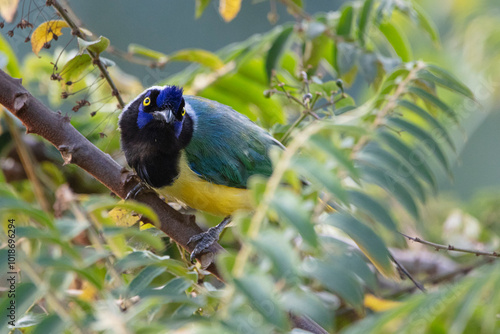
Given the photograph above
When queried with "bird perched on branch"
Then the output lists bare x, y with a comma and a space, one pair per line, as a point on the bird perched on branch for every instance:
198, 151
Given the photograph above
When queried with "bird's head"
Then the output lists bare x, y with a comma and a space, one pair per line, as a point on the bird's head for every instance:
158, 105
156, 118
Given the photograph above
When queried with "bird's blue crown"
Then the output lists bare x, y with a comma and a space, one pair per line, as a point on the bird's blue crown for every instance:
170, 97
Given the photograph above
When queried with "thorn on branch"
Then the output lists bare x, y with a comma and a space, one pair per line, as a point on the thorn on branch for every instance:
10, 33
20, 100
66, 153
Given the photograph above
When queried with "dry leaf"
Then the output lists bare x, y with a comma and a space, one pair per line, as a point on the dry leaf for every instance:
228, 9
45, 32
8, 9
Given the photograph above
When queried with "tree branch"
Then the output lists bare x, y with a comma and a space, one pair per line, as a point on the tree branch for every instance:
76, 149
451, 248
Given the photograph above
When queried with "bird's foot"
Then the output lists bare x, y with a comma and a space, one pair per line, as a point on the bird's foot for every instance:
206, 239
139, 187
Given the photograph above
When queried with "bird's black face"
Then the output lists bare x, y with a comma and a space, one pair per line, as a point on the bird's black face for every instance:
154, 130
164, 105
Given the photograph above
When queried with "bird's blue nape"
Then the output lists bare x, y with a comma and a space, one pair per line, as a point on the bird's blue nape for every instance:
143, 118
170, 97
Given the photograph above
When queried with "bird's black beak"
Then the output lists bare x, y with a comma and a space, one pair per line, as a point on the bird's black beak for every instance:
164, 115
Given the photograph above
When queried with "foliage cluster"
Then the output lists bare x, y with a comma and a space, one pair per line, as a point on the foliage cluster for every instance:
375, 156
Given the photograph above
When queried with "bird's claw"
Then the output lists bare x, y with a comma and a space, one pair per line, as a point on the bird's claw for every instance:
203, 241
132, 194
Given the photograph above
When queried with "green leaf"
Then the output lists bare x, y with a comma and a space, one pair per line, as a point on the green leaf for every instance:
384, 179
12, 65
347, 55
289, 207
425, 22
202, 57
74, 67
390, 82
138, 259
372, 208
26, 294
278, 250
97, 46
307, 303
143, 279
369, 242
357, 265
336, 279
144, 236
445, 79
259, 293
424, 138
275, 52
200, 7
16, 205
398, 41
363, 20
29, 320
428, 97
321, 177
51, 324
412, 156
381, 158
344, 26
331, 149
434, 124
143, 51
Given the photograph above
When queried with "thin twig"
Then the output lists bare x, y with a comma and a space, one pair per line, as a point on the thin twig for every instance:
433, 280
95, 57
417, 284
451, 248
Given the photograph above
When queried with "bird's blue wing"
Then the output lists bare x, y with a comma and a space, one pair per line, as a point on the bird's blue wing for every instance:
226, 148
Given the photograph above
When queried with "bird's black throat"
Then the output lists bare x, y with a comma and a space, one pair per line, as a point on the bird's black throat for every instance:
154, 151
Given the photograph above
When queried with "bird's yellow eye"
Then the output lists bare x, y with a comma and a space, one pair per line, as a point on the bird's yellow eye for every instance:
183, 112
147, 101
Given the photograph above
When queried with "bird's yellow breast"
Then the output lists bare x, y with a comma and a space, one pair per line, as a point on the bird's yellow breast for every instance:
202, 195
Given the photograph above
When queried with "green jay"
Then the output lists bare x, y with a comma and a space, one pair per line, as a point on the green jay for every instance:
198, 151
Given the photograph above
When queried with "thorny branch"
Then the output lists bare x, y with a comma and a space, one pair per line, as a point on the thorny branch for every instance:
451, 247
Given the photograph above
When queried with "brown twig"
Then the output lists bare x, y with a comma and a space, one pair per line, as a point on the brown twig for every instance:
451, 248
76, 149
442, 278
95, 57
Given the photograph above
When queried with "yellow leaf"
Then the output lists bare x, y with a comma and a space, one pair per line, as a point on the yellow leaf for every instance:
89, 292
45, 32
379, 305
146, 226
123, 217
8, 9
228, 9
